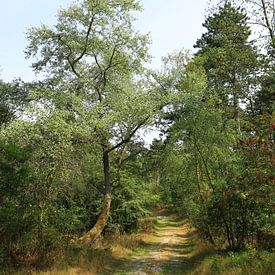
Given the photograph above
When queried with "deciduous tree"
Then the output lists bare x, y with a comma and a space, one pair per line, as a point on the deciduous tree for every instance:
94, 59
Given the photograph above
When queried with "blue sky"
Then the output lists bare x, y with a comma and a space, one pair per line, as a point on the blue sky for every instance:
173, 24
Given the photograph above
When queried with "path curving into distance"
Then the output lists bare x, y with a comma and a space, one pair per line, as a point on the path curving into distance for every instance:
170, 250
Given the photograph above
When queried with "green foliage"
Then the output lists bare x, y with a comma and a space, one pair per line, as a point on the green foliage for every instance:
16, 211
248, 262
13, 96
265, 98
77, 138
42, 189
131, 201
225, 189
210, 172
227, 56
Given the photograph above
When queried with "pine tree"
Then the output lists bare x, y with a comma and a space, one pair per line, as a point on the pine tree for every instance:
227, 56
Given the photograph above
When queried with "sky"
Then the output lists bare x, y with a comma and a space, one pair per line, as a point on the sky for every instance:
173, 25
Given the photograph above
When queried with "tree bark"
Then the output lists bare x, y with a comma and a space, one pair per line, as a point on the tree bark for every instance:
89, 237
268, 24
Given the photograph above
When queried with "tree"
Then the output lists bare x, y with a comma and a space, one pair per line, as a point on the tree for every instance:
13, 96
262, 14
265, 97
94, 61
223, 186
229, 59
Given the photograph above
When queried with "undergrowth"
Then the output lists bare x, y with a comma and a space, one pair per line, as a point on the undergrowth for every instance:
112, 252
105, 255
248, 262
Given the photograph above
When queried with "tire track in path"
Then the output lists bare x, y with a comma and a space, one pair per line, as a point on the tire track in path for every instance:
166, 251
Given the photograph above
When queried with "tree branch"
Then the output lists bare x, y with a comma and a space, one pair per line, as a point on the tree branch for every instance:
86, 41
128, 138
68, 56
268, 25
108, 67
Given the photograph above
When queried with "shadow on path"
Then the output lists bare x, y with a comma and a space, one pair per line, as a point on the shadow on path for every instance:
170, 250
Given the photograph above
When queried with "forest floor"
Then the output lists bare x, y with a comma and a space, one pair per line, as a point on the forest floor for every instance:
168, 245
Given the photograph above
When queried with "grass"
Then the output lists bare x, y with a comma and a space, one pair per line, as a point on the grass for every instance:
200, 258
238, 264
204, 260
116, 253
108, 254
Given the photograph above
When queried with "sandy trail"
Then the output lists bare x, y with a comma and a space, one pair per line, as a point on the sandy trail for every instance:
168, 248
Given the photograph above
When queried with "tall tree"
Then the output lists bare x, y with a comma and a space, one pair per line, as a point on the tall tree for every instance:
94, 60
227, 56
261, 14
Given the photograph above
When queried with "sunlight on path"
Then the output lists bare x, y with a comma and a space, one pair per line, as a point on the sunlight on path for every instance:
166, 252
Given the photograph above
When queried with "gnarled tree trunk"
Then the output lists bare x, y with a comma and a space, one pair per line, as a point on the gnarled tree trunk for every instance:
89, 237
96, 231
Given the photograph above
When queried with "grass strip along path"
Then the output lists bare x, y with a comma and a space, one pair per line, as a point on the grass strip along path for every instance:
170, 249
168, 246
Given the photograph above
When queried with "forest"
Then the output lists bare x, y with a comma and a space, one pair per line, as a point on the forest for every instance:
78, 182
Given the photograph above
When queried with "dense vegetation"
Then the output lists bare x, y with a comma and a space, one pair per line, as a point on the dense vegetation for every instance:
73, 164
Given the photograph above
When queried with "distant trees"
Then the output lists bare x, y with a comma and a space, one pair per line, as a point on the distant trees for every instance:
209, 163
72, 162
13, 96
230, 61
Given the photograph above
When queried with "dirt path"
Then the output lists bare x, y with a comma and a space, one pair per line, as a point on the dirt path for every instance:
167, 251
170, 248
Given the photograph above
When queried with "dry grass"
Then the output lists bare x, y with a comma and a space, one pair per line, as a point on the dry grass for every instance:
84, 262
115, 252
104, 255
123, 244
147, 225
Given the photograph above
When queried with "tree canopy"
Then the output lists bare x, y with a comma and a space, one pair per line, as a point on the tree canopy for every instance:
73, 160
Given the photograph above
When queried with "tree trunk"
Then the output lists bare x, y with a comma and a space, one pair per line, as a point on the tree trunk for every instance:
268, 23
207, 233
237, 111
89, 237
